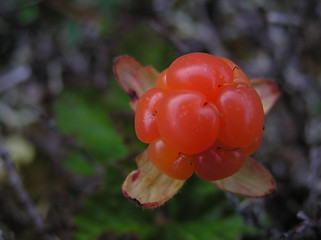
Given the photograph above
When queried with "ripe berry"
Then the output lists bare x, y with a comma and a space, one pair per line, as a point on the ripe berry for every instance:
145, 116
168, 160
199, 72
242, 116
161, 81
203, 116
187, 121
238, 74
254, 145
218, 162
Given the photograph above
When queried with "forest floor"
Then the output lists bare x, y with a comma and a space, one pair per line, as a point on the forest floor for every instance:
67, 139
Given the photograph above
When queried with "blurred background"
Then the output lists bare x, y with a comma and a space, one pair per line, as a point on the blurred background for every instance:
68, 129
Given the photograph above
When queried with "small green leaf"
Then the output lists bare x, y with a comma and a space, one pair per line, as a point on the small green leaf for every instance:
87, 121
107, 211
28, 14
76, 163
73, 33
152, 49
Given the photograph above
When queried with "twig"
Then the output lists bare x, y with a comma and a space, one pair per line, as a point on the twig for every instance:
14, 77
306, 224
295, 35
210, 38
15, 182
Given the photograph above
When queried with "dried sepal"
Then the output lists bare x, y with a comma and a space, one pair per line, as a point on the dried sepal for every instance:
148, 187
268, 91
134, 78
252, 180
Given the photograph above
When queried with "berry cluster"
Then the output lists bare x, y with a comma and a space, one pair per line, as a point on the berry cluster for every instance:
203, 116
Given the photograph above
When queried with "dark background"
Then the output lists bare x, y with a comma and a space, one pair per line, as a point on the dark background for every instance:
68, 129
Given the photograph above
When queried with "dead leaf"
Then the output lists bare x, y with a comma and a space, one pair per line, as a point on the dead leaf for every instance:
148, 187
268, 91
252, 180
134, 78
